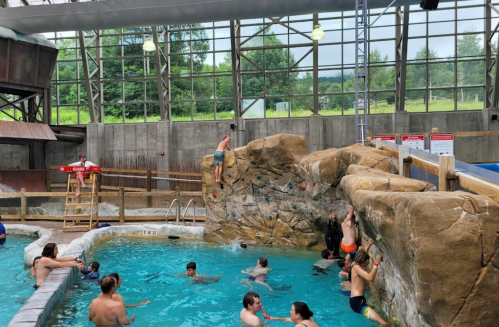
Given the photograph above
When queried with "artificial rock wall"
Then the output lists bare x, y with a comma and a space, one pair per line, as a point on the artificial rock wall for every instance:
439, 248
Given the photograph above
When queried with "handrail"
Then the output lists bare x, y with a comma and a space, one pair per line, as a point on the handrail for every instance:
169, 209
185, 211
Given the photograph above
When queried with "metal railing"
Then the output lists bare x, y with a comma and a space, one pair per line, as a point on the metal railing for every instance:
194, 213
170, 208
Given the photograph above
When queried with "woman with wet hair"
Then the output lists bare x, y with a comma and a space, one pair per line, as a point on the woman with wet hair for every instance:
300, 314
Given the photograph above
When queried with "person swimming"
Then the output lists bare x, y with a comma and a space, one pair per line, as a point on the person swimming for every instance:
259, 273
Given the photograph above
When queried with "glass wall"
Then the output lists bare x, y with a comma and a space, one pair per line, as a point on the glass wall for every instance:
445, 67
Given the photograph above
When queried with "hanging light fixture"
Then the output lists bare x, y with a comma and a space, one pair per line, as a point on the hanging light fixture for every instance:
317, 33
149, 45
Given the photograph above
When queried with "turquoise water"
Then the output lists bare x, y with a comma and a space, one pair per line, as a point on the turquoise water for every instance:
148, 268
16, 284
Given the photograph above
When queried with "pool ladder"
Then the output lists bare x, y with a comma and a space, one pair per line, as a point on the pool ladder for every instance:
178, 209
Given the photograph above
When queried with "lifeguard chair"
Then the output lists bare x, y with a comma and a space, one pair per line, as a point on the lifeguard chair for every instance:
81, 216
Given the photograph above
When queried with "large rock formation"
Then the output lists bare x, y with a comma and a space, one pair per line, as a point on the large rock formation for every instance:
440, 249
275, 193
440, 253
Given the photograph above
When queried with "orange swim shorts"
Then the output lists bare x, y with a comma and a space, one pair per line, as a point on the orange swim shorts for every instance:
349, 248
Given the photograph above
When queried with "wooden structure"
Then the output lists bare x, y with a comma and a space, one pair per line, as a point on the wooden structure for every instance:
81, 216
448, 176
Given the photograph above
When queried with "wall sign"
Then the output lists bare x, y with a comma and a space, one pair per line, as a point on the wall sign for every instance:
442, 144
388, 138
413, 141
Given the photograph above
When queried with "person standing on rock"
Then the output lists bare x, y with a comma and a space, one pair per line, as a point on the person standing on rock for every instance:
219, 158
359, 278
349, 234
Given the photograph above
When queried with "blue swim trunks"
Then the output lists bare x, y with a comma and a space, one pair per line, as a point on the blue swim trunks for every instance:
219, 157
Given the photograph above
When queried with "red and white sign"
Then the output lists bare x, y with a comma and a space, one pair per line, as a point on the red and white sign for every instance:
442, 144
388, 138
71, 169
413, 141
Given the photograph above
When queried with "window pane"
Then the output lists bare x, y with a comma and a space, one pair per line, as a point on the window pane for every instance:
134, 92
470, 46
204, 110
330, 55
470, 98
68, 115
382, 102
181, 111
415, 101
441, 75
278, 107
225, 110
203, 88
152, 112
181, 89
416, 76
441, 100
252, 85
441, 28
302, 106
470, 73
330, 105
441, 47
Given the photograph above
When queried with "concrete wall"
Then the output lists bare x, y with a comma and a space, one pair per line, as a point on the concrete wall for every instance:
14, 156
190, 141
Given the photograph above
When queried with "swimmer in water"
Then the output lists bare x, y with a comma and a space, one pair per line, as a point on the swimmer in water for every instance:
259, 273
199, 279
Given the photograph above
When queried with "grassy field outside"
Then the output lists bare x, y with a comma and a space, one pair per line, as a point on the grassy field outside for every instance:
70, 117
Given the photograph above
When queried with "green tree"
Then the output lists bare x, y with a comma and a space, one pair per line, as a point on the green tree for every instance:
470, 72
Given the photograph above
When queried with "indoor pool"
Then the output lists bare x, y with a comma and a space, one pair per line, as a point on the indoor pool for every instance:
16, 282
148, 268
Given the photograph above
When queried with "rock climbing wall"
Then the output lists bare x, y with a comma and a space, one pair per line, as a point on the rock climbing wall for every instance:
440, 249
276, 193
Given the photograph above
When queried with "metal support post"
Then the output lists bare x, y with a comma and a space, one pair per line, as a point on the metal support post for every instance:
402, 19
94, 89
235, 40
361, 78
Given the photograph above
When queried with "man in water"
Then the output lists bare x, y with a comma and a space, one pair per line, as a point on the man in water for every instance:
259, 273
2, 233
50, 261
359, 278
219, 157
104, 311
349, 231
252, 304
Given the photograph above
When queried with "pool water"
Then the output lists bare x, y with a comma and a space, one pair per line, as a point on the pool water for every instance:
148, 268
16, 283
